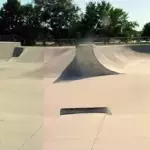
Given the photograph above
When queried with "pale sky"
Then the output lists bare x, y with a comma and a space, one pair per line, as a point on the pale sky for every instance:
139, 10
23, 1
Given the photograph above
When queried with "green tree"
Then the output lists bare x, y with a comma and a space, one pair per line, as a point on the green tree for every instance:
54, 18
21, 20
9, 16
58, 16
102, 19
146, 30
30, 23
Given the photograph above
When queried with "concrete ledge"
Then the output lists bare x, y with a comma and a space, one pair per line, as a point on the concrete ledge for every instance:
7, 49
68, 111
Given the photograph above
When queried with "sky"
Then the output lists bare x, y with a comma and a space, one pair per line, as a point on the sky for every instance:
23, 1
139, 10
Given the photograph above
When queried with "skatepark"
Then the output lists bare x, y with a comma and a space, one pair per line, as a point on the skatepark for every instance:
84, 97
89, 78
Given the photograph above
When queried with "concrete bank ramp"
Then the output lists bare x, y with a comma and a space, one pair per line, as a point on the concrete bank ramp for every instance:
14, 52
85, 64
7, 49
55, 61
17, 61
32, 54
128, 59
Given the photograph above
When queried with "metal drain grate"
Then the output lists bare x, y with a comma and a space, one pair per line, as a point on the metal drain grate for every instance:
68, 111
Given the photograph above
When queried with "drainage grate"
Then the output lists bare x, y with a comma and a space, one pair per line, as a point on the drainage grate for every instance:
68, 111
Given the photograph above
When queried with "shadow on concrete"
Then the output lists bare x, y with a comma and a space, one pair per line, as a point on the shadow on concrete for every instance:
75, 78
17, 51
73, 72
140, 48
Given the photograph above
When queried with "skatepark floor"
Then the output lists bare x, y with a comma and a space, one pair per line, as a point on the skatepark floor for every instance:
126, 96
31, 100
21, 103
21, 116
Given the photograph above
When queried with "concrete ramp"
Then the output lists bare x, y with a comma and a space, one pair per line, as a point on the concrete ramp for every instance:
128, 59
7, 49
85, 64
32, 54
55, 61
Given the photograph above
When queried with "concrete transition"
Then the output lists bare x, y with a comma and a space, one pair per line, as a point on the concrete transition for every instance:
85, 64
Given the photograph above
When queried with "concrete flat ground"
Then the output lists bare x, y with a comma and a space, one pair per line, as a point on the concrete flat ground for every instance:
21, 102
21, 114
126, 128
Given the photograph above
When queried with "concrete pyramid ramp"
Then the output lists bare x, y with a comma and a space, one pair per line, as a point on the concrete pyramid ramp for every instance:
85, 64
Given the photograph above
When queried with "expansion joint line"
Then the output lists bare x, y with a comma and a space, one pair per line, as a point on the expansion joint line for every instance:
99, 130
30, 137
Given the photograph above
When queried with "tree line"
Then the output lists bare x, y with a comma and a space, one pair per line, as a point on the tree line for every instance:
45, 20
